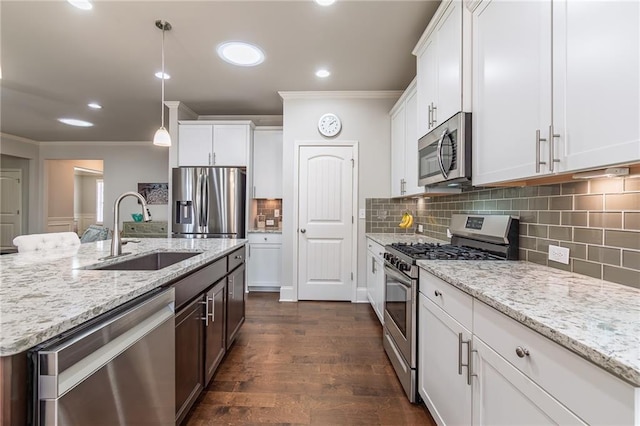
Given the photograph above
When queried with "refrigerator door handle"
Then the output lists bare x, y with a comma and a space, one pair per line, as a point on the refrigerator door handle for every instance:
205, 203
198, 207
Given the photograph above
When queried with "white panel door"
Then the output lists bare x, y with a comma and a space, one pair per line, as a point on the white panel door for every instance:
596, 52
504, 396
325, 209
511, 88
230, 145
195, 145
10, 206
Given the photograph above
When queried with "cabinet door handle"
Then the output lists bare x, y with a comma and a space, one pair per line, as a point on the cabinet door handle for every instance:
522, 352
430, 114
552, 158
214, 158
303, 231
469, 355
213, 308
437, 294
460, 354
205, 318
238, 257
210, 159
538, 140
434, 114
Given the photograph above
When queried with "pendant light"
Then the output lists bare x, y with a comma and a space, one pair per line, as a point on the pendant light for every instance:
162, 137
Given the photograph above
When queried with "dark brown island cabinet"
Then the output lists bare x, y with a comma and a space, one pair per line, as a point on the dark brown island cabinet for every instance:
210, 306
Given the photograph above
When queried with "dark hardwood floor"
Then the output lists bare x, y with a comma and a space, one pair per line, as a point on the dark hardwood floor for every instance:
306, 363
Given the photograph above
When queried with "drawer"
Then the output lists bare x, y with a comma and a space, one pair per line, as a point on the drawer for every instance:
594, 395
236, 258
375, 248
193, 284
264, 238
455, 302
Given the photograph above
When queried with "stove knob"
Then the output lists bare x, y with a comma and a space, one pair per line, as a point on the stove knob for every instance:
404, 266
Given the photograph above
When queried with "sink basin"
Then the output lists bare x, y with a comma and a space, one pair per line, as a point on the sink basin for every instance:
149, 262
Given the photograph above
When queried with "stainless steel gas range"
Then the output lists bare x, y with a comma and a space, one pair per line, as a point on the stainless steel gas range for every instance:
475, 237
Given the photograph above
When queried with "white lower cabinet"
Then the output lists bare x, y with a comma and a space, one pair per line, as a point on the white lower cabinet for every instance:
504, 396
375, 277
443, 381
265, 262
516, 375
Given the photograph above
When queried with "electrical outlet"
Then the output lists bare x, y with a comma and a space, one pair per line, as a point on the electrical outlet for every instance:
276, 213
449, 234
362, 214
559, 254
420, 228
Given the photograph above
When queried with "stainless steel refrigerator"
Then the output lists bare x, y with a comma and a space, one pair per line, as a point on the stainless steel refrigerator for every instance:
209, 202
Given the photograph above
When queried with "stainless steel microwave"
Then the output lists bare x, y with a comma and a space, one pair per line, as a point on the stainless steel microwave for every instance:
444, 154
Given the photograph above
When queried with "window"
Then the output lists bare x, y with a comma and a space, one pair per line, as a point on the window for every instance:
99, 200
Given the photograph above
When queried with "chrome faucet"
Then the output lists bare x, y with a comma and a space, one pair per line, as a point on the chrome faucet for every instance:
116, 241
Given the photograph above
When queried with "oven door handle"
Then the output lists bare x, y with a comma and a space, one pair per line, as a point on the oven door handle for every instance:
402, 279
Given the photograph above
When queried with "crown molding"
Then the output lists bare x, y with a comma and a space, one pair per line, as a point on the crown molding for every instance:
18, 139
179, 105
345, 94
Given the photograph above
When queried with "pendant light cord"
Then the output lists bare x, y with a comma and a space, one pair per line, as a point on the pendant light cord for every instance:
163, 77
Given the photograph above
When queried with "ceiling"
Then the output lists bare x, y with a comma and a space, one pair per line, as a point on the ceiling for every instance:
55, 59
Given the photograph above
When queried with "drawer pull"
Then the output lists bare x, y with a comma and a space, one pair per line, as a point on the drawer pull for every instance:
522, 352
437, 293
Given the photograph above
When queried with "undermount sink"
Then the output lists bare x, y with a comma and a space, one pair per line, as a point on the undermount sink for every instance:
149, 262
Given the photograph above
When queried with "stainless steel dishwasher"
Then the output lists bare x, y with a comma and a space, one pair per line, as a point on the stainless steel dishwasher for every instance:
117, 370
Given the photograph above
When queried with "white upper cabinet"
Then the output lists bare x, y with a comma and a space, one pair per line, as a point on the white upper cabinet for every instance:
511, 88
555, 87
439, 66
202, 143
404, 145
596, 83
267, 163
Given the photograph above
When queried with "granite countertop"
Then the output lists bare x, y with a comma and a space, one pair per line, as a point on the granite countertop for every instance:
385, 239
596, 319
43, 294
265, 231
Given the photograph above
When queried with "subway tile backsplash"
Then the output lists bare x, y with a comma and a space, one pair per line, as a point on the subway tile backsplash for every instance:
598, 220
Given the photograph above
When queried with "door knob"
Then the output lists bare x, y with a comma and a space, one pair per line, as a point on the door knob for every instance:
303, 230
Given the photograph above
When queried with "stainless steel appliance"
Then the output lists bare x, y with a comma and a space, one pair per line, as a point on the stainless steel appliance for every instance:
475, 237
444, 154
209, 202
116, 369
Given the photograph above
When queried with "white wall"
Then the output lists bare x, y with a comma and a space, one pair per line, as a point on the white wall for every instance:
365, 118
125, 165
29, 151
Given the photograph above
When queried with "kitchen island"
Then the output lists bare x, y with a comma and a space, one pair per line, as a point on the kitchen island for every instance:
44, 294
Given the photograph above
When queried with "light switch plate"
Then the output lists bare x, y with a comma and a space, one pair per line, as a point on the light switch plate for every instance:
276, 213
270, 222
362, 214
559, 254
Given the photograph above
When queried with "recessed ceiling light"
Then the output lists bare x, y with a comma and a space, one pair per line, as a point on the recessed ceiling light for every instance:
75, 122
240, 53
94, 105
81, 4
159, 75
325, 2
323, 73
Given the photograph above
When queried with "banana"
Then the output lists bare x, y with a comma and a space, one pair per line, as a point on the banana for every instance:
409, 222
404, 221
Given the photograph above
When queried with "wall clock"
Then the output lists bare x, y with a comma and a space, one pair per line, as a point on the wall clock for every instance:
329, 125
